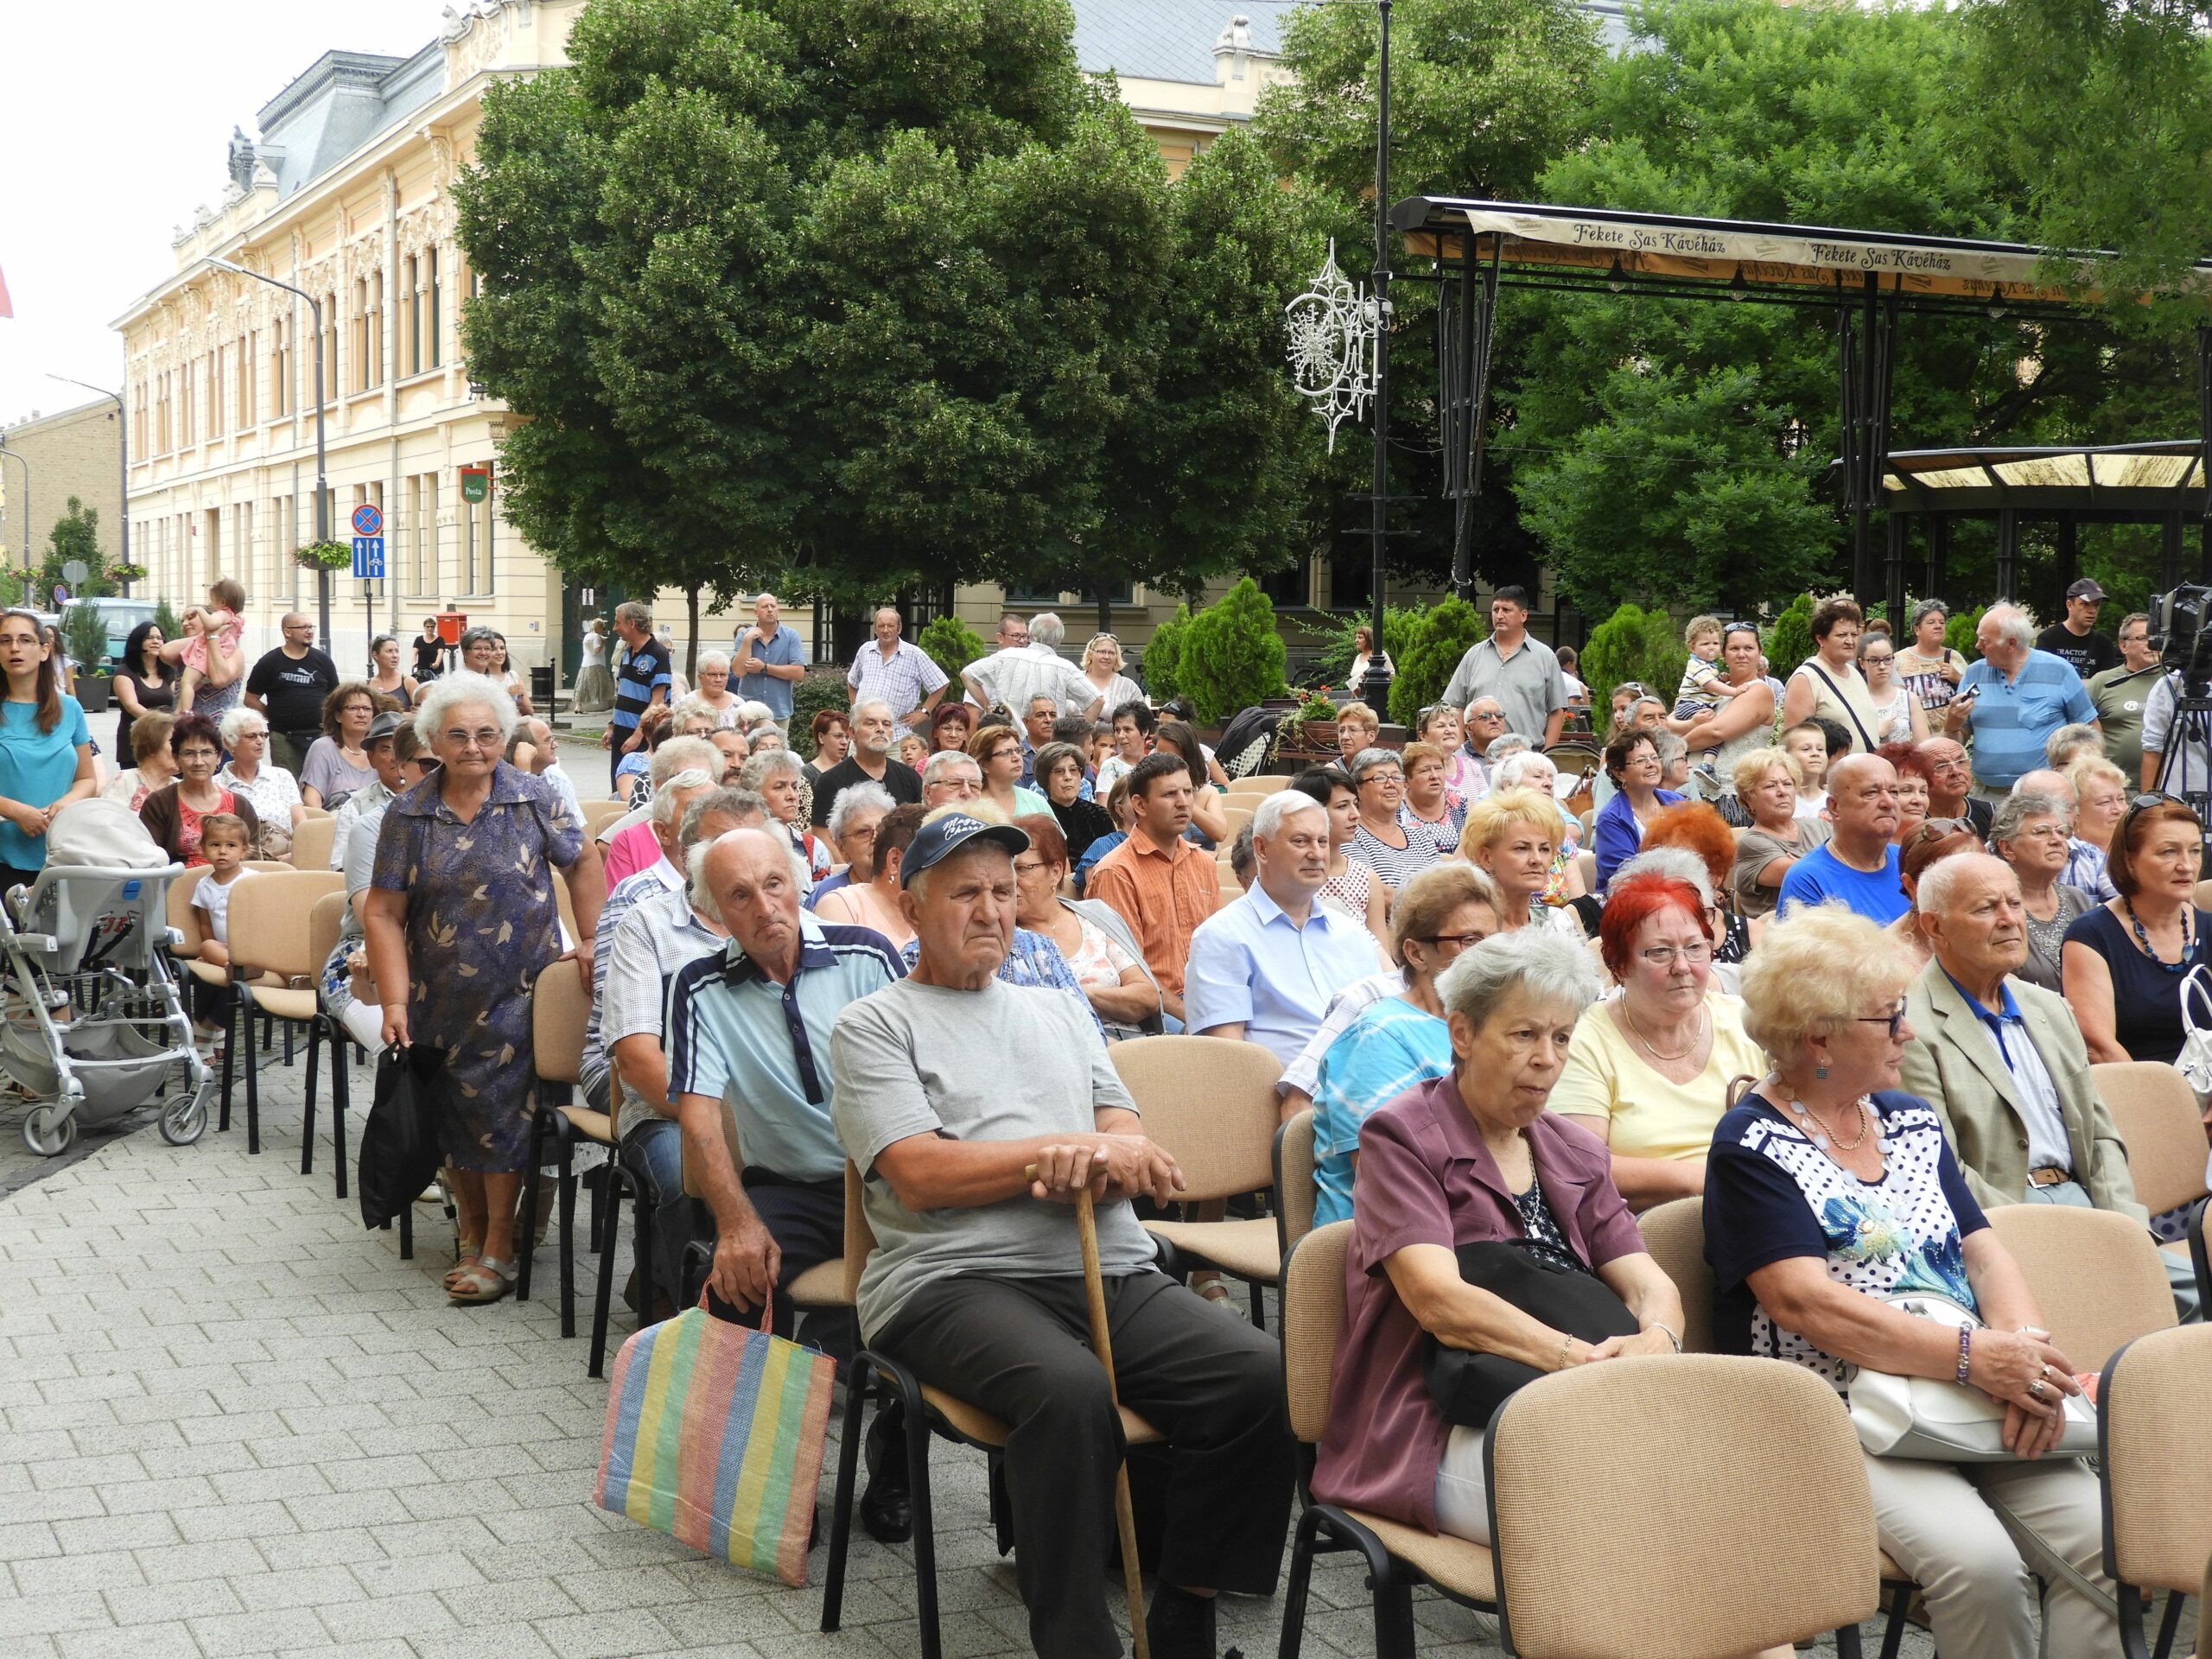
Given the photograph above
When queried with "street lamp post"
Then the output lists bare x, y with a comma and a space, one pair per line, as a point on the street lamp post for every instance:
122, 437
1378, 661
322, 489
16, 456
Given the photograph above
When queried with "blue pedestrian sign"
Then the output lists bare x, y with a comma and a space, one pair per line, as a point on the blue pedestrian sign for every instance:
368, 519
368, 553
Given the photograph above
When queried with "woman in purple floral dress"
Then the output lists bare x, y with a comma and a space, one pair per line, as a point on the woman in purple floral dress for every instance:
462, 913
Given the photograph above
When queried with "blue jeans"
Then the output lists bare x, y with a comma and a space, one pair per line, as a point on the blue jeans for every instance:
652, 1151
2179, 1273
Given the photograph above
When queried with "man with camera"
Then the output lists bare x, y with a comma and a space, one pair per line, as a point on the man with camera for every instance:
2176, 760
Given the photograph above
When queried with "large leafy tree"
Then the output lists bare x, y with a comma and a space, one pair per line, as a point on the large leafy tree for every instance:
835, 292
1677, 453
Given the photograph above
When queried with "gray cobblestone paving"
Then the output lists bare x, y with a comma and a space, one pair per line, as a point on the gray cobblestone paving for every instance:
236, 1424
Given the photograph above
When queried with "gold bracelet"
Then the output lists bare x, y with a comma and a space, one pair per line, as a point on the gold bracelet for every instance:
1563, 1347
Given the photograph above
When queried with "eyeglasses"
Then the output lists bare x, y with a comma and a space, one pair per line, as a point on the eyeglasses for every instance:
1493, 714
1384, 777
1665, 956
1454, 941
1030, 867
487, 739
1894, 1020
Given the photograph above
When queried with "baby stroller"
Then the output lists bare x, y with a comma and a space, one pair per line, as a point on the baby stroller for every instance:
94, 1027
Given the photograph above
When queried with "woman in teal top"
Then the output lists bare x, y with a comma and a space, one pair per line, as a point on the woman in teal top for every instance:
1398, 1041
46, 752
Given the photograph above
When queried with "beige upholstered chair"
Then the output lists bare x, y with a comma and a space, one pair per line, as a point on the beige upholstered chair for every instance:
312, 841
1675, 1234
1212, 1105
2154, 1425
599, 814
2096, 1275
2156, 1114
274, 967
929, 1410
1296, 1194
822, 1285
1726, 1448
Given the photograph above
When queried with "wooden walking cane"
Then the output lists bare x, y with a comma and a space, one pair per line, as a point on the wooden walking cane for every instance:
1102, 1344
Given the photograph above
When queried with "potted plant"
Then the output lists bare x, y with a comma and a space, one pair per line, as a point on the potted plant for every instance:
84, 635
325, 556
1316, 720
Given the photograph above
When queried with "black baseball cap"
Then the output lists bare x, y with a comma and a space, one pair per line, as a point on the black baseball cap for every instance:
2085, 588
940, 838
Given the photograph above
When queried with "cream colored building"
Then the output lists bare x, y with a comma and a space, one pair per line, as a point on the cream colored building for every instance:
346, 195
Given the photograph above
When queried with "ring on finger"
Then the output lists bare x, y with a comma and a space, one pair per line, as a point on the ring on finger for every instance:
2036, 1390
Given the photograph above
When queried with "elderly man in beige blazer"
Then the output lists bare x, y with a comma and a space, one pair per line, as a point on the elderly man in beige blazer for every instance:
2003, 1062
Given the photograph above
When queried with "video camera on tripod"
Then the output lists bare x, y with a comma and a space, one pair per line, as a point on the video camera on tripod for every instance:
2186, 768
2180, 617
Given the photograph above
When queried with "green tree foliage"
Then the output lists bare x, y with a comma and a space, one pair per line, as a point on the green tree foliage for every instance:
165, 618
1160, 668
1433, 647
1232, 657
832, 293
1334, 666
1959, 632
1484, 93
952, 645
1634, 644
85, 636
1790, 640
75, 535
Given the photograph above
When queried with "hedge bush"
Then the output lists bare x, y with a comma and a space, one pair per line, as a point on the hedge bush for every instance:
810, 695
1789, 641
1440, 636
952, 645
1231, 657
1959, 632
1634, 644
1161, 664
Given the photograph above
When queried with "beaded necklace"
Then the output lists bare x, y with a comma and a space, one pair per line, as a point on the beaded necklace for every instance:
2142, 938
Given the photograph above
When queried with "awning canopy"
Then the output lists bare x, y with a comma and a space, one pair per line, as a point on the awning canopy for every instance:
1587, 244
2127, 478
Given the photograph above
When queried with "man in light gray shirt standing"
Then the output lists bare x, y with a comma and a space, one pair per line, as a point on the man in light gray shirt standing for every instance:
975, 1110
1524, 677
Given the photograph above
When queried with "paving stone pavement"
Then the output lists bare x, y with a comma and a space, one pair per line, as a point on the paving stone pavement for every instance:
236, 1424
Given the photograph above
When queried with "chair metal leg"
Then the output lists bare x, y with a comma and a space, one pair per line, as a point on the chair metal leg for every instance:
252, 1095
1001, 1503
526, 1234
230, 1052
1300, 1581
1893, 1635
2169, 1626
1259, 1305
288, 1040
307, 1127
641, 1211
406, 1234
605, 1295
841, 1506
338, 1067
567, 1190
1847, 1641
918, 1493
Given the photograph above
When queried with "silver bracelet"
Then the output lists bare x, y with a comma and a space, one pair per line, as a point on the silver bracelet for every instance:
1671, 1337
1563, 1347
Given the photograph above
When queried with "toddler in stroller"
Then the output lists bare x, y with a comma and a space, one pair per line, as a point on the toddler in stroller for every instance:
94, 1027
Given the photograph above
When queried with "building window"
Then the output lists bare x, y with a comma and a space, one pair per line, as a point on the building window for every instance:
282, 367
414, 316
436, 355
1121, 594
329, 389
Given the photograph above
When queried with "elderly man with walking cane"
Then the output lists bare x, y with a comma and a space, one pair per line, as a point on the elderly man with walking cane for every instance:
976, 1112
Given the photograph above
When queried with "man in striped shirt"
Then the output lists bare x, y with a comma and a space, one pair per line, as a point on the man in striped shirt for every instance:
898, 672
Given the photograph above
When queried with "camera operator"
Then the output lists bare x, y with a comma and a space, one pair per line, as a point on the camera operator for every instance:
2187, 670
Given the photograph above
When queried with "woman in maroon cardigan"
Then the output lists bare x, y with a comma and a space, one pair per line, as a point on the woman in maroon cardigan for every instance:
1470, 1158
172, 814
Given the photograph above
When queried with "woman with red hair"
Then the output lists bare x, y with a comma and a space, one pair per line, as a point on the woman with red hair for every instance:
1914, 775
1648, 1070
1699, 828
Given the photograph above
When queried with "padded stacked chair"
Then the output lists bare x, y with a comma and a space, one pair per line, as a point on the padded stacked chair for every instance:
2154, 1439
2157, 1115
559, 1004
325, 922
1569, 1572
274, 971
1212, 1106
928, 1411
312, 841
1296, 1195
2095, 1274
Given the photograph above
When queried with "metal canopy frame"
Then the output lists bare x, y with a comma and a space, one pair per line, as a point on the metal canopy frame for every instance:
1867, 278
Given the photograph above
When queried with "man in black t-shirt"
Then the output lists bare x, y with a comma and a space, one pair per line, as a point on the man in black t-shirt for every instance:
874, 729
288, 686
2076, 640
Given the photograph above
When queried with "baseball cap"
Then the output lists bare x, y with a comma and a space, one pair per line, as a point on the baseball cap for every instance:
2085, 589
939, 839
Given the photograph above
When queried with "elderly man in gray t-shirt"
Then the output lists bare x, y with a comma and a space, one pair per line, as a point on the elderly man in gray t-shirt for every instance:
951, 1085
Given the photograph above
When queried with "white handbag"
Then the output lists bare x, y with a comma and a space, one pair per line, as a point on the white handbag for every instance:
1943, 1421
2195, 1060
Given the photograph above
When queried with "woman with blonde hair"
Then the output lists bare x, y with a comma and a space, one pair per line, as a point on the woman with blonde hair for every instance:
1767, 784
1102, 666
1358, 726
1830, 1195
1512, 836
2100, 795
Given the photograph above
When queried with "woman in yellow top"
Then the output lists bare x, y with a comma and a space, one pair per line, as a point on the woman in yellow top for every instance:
1648, 1070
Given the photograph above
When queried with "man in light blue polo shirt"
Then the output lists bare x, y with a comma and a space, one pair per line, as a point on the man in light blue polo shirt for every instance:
767, 659
2013, 700
750, 1026
1263, 968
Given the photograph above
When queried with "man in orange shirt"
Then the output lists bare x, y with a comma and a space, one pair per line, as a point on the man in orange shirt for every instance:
1161, 884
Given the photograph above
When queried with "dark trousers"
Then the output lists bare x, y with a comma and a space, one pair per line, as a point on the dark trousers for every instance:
290, 749
1020, 1348
807, 1221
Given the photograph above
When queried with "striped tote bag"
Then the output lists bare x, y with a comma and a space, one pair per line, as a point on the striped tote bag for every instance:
715, 1435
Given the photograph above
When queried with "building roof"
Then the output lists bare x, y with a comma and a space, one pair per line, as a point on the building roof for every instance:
1170, 39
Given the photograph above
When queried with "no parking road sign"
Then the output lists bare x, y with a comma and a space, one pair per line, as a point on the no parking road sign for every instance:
368, 519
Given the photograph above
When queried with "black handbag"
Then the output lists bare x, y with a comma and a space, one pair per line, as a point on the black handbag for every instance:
400, 1150
1468, 1388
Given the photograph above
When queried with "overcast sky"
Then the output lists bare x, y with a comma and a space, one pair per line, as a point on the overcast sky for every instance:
114, 127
